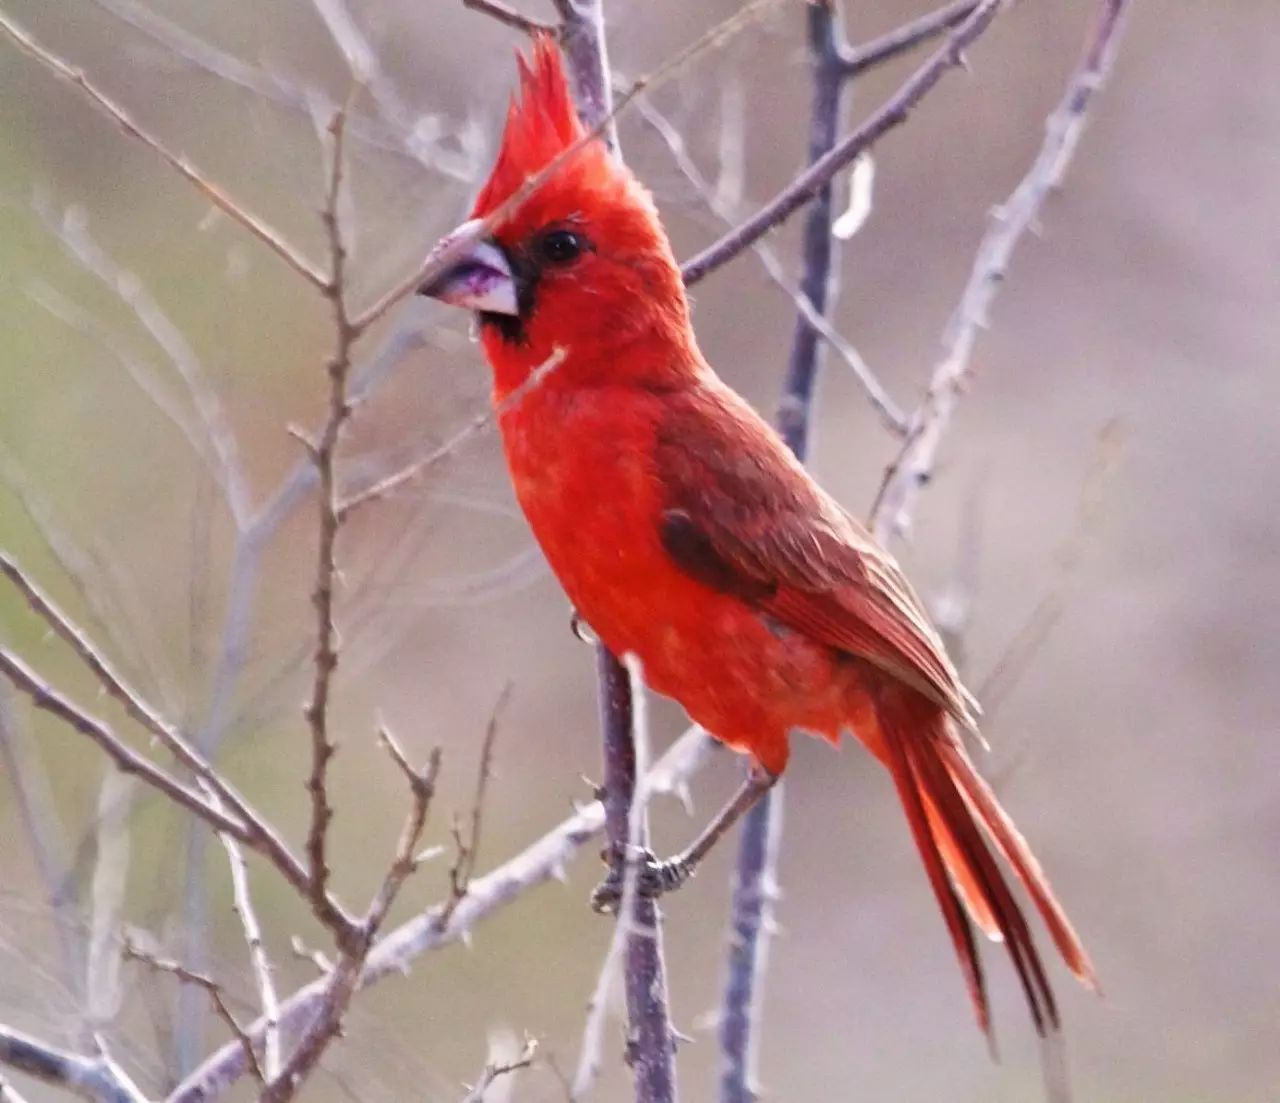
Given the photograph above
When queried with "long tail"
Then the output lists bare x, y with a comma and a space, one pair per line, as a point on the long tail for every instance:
952, 813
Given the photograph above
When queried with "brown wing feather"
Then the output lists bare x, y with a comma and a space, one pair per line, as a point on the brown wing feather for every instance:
745, 518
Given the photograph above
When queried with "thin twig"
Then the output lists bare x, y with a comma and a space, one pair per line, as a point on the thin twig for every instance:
888, 46
809, 183
467, 846
212, 989
422, 787
892, 417
496, 1070
180, 165
242, 904
912, 467
1031, 635
389, 484
508, 16
44, 697
544, 860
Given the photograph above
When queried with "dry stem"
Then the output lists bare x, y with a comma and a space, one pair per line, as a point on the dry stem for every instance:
912, 467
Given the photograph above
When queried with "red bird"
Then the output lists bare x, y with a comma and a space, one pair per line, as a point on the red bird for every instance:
684, 531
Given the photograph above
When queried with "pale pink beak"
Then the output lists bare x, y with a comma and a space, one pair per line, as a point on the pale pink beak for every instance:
479, 278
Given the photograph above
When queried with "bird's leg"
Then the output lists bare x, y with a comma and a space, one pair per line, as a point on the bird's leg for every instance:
654, 877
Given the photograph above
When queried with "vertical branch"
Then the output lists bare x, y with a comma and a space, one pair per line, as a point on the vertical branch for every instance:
324, 457
755, 876
651, 1044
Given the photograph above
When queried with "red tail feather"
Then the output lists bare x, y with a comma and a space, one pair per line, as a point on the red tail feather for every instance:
950, 809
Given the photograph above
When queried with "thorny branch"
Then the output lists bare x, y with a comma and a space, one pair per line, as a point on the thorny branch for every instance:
323, 454
912, 467
216, 997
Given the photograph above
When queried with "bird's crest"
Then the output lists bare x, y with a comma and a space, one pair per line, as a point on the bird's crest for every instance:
541, 125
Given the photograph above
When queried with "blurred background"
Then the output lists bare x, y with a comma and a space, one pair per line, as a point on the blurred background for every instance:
1113, 468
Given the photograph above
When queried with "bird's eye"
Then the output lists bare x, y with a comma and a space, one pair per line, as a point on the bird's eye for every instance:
561, 247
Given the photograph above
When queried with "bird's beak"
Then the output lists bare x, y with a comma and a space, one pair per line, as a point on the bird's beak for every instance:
477, 274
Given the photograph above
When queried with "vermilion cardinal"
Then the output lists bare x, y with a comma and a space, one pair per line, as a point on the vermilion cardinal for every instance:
685, 532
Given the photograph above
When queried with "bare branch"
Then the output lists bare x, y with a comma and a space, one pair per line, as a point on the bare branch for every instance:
809, 183
912, 467
180, 165
508, 16
651, 1040
214, 991
904, 38
422, 787
97, 1079
125, 758
242, 904
893, 418
495, 1071
324, 457
247, 825
542, 861
463, 869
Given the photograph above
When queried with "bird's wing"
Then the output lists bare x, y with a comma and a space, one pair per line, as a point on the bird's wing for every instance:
743, 517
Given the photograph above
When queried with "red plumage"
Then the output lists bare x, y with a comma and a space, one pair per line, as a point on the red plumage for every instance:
684, 531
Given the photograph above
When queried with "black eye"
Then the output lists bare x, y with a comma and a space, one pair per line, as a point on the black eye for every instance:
561, 247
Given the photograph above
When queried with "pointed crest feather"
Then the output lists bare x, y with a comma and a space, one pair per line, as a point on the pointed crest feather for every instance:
541, 124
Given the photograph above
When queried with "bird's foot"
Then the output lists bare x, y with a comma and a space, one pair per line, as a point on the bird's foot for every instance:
652, 877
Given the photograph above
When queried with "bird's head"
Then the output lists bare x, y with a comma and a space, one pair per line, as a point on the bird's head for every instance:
580, 262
